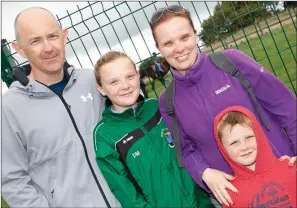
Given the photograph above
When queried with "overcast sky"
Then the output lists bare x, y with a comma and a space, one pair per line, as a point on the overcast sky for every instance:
138, 45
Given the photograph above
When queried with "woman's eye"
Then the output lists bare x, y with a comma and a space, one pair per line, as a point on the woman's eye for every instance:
185, 38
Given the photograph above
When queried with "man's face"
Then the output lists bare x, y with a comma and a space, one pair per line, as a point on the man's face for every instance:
240, 144
42, 42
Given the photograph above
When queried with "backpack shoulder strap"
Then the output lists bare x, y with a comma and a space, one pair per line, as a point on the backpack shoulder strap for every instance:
223, 62
169, 97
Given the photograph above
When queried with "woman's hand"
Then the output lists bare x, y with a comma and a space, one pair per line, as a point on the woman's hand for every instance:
217, 181
292, 160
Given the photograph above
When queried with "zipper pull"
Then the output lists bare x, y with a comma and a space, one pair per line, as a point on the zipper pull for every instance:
52, 192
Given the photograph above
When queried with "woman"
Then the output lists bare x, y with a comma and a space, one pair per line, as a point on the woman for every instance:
202, 91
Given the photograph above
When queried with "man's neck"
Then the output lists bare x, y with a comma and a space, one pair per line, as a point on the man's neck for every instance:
47, 79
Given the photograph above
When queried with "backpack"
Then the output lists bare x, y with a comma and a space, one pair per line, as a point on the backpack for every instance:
220, 60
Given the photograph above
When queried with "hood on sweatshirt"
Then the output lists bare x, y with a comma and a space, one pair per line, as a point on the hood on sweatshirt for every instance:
264, 158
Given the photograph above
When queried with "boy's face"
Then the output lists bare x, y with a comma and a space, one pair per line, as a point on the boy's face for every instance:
120, 83
240, 144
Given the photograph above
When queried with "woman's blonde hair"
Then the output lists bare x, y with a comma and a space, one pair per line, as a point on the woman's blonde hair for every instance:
107, 58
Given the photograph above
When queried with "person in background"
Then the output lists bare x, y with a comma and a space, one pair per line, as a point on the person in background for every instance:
202, 90
48, 114
133, 146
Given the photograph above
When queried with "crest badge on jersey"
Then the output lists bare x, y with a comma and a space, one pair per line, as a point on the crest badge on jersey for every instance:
169, 138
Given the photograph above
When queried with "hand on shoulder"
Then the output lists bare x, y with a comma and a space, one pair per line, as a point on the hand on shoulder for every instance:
292, 160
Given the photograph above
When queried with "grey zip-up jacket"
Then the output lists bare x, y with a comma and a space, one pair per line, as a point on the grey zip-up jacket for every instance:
45, 140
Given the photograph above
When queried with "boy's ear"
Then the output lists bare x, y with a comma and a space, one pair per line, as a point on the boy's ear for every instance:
99, 88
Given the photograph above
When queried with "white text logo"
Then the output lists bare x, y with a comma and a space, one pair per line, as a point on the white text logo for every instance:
85, 98
128, 139
222, 89
135, 154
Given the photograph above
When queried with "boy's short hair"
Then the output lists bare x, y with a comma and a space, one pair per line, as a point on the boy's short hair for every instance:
107, 58
232, 118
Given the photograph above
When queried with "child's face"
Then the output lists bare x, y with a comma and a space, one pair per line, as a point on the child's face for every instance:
240, 144
120, 83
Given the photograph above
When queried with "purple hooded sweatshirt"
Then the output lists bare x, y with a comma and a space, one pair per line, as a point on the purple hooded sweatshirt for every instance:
206, 90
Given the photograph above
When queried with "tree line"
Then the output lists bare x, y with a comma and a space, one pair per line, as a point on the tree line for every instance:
229, 17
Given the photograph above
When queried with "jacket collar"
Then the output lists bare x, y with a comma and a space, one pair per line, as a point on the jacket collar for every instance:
21, 73
33, 87
127, 114
193, 74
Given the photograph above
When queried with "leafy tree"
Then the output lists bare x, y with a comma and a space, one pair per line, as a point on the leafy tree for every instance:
291, 4
228, 17
288, 4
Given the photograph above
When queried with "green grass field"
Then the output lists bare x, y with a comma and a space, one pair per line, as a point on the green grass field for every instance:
284, 70
3, 203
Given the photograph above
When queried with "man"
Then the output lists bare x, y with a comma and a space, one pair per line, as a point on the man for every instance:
48, 115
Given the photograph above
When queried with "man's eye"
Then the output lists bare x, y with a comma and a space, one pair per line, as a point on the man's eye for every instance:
33, 42
54, 37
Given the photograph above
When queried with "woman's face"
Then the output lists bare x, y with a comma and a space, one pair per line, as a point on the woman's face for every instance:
177, 42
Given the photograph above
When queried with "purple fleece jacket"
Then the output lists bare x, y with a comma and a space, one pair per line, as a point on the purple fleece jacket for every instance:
206, 90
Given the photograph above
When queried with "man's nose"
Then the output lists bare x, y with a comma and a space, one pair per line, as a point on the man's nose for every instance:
47, 46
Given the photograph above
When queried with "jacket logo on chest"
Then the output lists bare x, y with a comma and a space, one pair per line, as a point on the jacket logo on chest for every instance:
128, 139
85, 98
222, 89
272, 195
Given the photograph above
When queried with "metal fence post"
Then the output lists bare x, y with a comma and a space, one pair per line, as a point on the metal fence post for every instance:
7, 64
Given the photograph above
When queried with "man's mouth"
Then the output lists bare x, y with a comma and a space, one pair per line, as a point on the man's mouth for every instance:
51, 58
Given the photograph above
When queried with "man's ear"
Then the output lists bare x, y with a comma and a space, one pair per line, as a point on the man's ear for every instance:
18, 49
99, 88
65, 35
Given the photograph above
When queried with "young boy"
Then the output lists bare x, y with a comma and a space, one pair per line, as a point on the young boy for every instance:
262, 180
134, 149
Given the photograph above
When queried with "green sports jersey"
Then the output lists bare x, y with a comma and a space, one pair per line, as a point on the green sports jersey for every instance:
137, 140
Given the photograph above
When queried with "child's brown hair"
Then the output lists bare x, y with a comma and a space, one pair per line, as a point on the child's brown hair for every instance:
232, 118
107, 58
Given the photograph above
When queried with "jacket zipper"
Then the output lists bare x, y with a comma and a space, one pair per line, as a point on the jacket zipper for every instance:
203, 102
169, 167
82, 141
